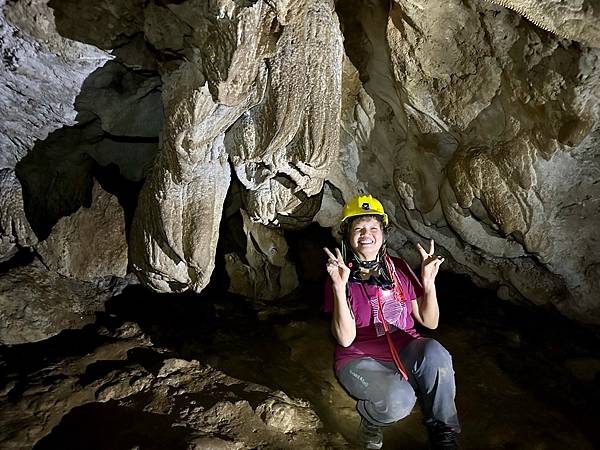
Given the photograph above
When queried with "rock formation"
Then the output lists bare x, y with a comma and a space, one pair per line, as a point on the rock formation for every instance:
576, 20
169, 138
42, 73
473, 125
267, 106
36, 303
181, 403
265, 273
478, 112
90, 244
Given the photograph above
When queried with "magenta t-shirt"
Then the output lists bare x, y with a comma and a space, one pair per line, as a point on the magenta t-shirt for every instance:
367, 343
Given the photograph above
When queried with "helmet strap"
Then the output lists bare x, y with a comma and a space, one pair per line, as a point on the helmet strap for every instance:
370, 265
355, 264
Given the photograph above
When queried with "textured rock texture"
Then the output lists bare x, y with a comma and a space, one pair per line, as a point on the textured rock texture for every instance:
36, 303
265, 273
282, 149
474, 125
578, 20
175, 229
90, 243
41, 75
15, 230
477, 114
169, 402
267, 104
212, 374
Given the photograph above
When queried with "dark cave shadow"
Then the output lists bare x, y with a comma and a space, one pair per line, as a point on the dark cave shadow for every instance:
28, 358
103, 426
223, 330
57, 174
530, 344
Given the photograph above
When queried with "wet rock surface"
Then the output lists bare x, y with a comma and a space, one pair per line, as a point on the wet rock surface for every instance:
187, 371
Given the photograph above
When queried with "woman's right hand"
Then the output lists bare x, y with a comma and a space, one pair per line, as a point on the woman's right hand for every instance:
337, 268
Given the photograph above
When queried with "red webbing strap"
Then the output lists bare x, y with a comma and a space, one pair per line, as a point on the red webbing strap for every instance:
391, 268
393, 350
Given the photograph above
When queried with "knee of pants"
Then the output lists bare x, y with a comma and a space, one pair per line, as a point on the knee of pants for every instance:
435, 355
398, 404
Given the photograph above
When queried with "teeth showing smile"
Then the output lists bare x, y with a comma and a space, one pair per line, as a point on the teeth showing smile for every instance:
366, 242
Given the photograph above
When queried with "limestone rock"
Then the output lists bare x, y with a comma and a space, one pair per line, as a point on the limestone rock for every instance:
43, 403
282, 149
164, 29
175, 228
441, 56
176, 224
214, 408
265, 272
119, 385
287, 415
36, 303
56, 175
214, 443
576, 20
356, 124
459, 115
105, 23
483, 117
41, 73
15, 231
90, 243
127, 103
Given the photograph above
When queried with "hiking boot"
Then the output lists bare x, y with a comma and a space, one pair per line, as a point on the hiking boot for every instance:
441, 436
371, 436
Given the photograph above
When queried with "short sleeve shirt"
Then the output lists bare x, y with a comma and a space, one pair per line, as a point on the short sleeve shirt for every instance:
361, 296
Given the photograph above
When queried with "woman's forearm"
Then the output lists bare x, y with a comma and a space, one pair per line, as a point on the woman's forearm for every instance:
343, 326
428, 308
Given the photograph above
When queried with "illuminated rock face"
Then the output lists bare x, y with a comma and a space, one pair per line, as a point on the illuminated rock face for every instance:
90, 244
42, 73
495, 144
249, 97
474, 126
578, 20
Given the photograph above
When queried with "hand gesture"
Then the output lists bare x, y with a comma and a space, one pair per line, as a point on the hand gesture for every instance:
337, 268
430, 263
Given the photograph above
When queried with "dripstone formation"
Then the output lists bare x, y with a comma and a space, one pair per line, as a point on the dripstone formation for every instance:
476, 123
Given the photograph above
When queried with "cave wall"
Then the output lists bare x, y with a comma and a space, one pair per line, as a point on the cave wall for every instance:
486, 139
476, 124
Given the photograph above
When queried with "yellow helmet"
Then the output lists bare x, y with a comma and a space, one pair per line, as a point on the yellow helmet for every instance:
363, 205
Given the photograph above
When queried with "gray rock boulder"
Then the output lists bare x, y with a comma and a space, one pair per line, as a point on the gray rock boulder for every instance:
90, 244
37, 303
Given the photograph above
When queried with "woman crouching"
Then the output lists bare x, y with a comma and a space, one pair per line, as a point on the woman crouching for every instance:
380, 358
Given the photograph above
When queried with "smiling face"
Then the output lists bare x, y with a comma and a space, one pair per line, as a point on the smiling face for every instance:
366, 237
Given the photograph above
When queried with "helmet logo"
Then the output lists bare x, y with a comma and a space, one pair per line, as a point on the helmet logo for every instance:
365, 206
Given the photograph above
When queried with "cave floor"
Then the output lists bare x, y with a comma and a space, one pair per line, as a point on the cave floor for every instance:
526, 379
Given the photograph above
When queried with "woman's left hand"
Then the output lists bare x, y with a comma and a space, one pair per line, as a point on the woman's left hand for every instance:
430, 263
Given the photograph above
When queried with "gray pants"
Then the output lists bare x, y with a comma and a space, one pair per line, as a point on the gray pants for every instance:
384, 397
